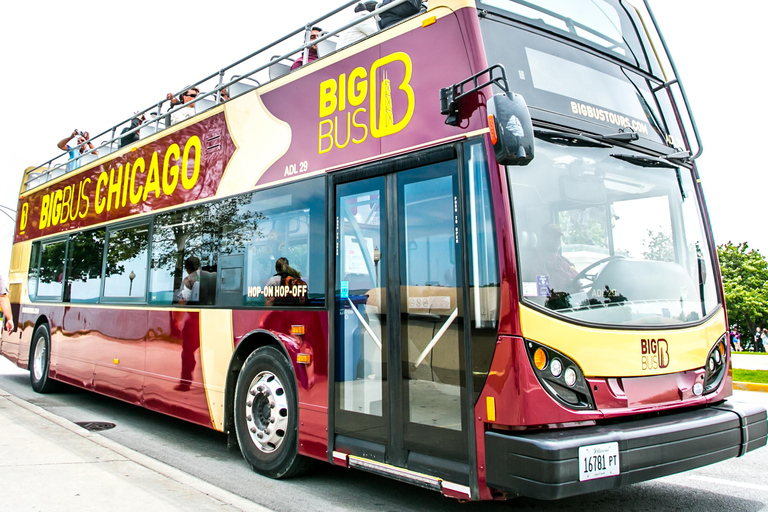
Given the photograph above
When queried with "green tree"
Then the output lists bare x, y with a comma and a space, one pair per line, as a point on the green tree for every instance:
659, 246
745, 274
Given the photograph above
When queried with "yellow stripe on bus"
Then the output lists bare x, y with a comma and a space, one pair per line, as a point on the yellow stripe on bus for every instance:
216, 348
619, 353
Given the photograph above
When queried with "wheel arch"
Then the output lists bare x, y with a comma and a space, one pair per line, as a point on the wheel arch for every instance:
251, 342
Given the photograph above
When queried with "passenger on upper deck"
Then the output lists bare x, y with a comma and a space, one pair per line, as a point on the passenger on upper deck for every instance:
362, 29
186, 97
129, 139
399, 13
312, 55
83, 142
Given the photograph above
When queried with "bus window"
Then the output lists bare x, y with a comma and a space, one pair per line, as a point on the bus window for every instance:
34, 265
125, 273
185, 244
284, 222
84, 260
51, 269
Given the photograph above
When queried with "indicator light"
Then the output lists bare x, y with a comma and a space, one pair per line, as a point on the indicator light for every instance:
297, 329
429, 21
540, 358
304, 358
492, 126
490, 408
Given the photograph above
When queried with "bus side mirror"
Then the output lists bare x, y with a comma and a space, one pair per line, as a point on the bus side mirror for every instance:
511, 129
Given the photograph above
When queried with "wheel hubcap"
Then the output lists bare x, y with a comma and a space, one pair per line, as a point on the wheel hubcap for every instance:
39, 359
266, 412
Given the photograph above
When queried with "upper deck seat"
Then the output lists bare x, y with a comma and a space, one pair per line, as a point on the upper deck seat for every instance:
278, 69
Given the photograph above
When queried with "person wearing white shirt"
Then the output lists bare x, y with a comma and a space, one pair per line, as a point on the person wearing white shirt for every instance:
362, 29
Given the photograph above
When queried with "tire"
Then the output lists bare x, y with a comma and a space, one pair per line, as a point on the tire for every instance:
40, 361
266, 415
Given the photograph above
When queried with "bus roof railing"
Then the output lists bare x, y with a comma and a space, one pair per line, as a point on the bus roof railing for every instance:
155, 118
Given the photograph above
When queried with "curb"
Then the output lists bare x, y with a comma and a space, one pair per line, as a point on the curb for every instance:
177, 475
750, 386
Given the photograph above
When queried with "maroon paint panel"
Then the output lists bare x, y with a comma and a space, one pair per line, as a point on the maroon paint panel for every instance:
139, 356
174, 376
335, 112
116, 188
311, 379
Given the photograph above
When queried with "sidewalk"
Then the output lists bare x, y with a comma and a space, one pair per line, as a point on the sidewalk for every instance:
48, 463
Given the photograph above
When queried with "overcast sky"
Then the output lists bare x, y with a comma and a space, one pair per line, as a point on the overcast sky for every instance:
89, 67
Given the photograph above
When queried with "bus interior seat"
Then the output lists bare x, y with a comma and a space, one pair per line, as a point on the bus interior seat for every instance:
278, 69
207, 288
205, 103
325, 47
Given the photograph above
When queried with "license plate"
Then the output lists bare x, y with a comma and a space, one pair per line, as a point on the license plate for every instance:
598, 461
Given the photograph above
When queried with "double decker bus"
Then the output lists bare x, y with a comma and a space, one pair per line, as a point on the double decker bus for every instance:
469, 251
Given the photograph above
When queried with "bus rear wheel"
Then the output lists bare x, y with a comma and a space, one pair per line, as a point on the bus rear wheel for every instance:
40, 361
266, 415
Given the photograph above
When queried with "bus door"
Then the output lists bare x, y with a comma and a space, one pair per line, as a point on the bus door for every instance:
399, 336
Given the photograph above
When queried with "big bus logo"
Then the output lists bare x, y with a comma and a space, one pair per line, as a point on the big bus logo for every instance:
24, 217
654, 354
356, 105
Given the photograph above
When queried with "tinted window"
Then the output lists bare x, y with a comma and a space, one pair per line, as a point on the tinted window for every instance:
51, 269
185, 247
126, 267
34, 262
84, 260
289, 223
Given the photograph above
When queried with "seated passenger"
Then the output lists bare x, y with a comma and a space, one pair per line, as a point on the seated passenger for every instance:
399, 13
190, 286
127, 140
312, 55
186, 97
362, 29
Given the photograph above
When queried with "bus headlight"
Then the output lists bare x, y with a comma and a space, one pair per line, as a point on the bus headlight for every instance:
560, 376
715, 368
556, 367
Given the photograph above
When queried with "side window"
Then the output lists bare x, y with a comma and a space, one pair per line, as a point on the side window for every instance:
51, 276
34, 266
185, 254
285, 255
84, 261
125, 271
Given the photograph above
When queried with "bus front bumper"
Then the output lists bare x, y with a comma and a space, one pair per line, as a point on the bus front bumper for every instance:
545, 464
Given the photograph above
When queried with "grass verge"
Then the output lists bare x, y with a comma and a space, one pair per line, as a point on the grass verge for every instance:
757, 376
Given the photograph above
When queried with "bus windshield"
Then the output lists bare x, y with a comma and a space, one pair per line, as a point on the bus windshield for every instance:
595, 22
607, 236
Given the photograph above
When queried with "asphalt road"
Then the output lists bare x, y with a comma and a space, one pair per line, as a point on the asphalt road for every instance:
735, 485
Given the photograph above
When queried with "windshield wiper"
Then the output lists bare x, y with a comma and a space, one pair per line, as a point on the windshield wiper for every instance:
570, 139
644, 161
621, 136
649, 161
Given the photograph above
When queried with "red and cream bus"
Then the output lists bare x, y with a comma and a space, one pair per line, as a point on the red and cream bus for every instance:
469, 251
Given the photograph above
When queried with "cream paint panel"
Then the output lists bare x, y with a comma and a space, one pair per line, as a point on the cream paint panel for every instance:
599, 351
216, 350
252, 128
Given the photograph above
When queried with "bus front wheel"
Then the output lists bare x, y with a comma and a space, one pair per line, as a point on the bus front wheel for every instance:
40, 361
266, 415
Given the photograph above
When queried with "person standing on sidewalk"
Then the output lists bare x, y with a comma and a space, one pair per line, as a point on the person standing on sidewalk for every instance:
5, 306
758, 345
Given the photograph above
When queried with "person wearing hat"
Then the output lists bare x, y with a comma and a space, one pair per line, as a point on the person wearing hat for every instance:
361, 29
560, 271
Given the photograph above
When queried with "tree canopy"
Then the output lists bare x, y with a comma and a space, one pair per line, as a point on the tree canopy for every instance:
745, 274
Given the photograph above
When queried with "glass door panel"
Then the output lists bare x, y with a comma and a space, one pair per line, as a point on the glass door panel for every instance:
432, 332
360, 317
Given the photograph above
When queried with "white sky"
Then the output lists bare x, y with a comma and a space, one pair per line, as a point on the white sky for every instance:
89, 66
